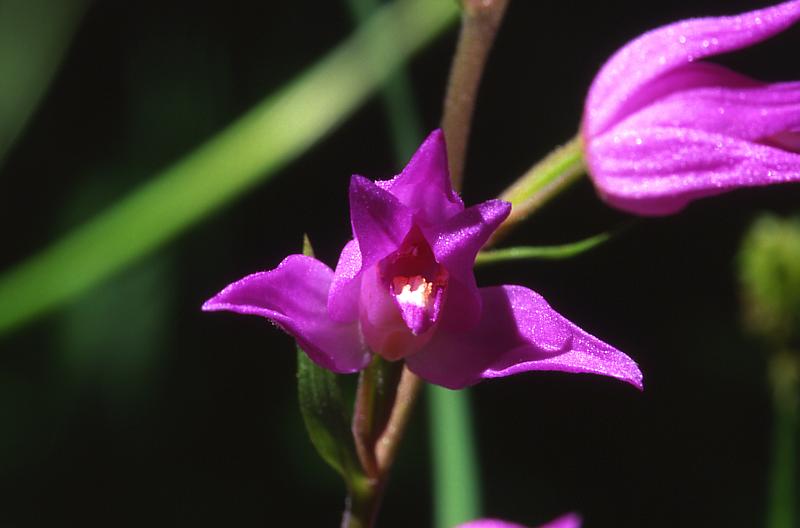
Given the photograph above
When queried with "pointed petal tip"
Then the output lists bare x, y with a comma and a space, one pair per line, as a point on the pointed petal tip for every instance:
636, 379
633, 377
358, 181
434, 140
437, 134
628, 372
500, 208
215, 304
518, 332
210, 305
424, 183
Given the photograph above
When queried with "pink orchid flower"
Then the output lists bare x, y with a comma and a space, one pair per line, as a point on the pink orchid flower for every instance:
662, 128
569, 520
404, 288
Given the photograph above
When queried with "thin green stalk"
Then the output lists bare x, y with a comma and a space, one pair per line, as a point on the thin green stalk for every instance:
456, 483
361, 507
559, 252
785, 380
248, 152
375, 399
383, 409
545, 180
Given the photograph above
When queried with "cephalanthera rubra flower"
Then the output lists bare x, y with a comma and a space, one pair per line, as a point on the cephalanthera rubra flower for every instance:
404, 288
662, 128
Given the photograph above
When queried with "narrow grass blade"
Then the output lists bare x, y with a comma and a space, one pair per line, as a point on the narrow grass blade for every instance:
248, 152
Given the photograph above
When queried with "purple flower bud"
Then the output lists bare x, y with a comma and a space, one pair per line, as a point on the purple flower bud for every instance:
662, 128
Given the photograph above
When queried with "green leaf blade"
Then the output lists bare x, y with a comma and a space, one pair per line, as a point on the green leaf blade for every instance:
250, 151
322, 407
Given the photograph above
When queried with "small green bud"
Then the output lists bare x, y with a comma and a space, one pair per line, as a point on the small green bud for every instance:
769, 276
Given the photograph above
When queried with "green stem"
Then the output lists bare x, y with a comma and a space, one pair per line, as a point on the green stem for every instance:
383, 408
559, 252
361, 507
544, 181
375, 399
784, 374
387, 444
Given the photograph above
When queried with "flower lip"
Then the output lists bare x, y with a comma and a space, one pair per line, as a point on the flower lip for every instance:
416, 282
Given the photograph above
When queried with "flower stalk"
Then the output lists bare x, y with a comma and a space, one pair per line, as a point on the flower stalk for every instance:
543, 182
361, 506
480, 21
375, 401
479, 24
387, 392
784, 375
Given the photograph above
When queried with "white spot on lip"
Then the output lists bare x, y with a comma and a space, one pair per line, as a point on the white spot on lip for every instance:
412, 290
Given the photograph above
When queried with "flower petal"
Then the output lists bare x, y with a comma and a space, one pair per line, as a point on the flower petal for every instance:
424, 185
727, 103
455, 244
665, 48
518, 332
294, 296
489, 523
570, 520
343, 295
380, 222
659, 170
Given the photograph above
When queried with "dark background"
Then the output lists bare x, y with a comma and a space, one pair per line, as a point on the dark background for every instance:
130, 407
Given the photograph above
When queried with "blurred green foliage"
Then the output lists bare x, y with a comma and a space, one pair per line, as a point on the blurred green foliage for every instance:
769, 274
34, 36
249, 151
